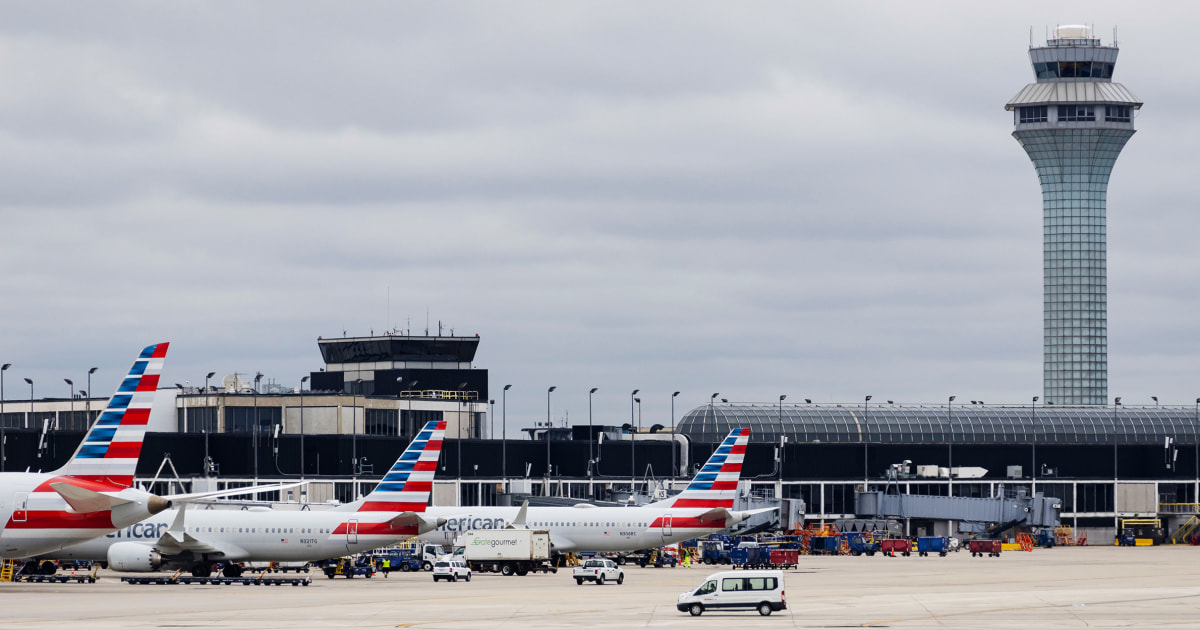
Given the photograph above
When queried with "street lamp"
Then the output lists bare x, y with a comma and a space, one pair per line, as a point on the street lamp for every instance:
3, 420
632, 440
1155, 399
548, 469
1033, 412
950, 420
674, 469
254, 425
413, 423
88, 400
866, 417
303, 380
29, 422
503, 436
72, 386
1116, 403
591, 437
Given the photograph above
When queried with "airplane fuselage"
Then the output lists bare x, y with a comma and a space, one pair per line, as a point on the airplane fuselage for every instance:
582, 527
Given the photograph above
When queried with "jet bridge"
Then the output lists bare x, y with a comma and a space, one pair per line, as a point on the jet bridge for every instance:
1022, 509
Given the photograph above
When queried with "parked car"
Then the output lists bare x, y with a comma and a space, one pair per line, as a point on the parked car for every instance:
451, 568
598, 570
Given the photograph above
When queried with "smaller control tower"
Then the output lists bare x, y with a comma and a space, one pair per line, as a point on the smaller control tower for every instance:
1073, 123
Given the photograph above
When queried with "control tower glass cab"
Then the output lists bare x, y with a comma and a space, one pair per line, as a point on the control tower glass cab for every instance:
1073, 123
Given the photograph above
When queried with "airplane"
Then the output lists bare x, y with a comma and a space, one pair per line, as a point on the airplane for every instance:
702, 508
195, 539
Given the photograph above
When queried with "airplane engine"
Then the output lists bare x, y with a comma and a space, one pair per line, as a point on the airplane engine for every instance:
132, 557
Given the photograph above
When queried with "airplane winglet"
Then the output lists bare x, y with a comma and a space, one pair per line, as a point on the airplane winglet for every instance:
519, 521
177, 531
84, 501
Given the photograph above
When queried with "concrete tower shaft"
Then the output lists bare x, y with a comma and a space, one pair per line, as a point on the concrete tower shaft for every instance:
1073, 123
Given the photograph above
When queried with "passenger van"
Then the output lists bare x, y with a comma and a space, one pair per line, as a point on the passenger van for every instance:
758, 590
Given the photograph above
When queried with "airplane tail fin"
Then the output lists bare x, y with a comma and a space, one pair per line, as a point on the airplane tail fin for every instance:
715, 486
407, 486
110, 450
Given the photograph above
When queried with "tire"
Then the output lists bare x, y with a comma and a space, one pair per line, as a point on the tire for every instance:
201, 570
426, 566
522, 571
467, 577
600, 580
453, 578
708, 561
329, 575
696, 610
435, 579
764, 609
579, 581
621, 578
47, 568
507, 569
404, 568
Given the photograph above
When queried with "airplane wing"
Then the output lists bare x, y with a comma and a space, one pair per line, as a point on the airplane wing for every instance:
177, 540
193, 497
85, 501
409, 519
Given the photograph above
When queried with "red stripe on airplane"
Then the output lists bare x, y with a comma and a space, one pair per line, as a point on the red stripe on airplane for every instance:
424, 466
160, 351
441, 426
148, 383
377, 529
737, 449
57, 519
391, 506
417, 486
737, 468
703, 503
433, 445
679, 522
724, 485
136, 417
123, 450
96, 483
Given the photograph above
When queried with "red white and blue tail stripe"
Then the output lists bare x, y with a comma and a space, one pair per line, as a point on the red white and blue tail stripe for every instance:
406, 487
715, 486
110, 450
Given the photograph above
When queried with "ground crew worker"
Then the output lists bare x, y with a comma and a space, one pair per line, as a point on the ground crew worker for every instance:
387, 566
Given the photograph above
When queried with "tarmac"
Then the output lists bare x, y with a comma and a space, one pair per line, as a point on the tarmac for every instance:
1074, 587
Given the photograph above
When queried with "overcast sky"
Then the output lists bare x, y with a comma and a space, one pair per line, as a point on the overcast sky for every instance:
765, 198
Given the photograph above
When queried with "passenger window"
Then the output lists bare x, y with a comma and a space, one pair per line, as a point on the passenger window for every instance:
708, 587
731, 584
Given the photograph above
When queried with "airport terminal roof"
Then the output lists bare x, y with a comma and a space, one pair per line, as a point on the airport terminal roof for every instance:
940, 424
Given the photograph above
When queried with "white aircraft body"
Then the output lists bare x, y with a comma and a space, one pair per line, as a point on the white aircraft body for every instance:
195, 539
92, 494
703, 508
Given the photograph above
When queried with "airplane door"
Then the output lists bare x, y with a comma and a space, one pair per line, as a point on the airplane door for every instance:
352, 531
666, 527
20, 507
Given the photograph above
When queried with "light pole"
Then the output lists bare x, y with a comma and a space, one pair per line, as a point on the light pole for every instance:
591, 438
866, 416
413, 423
88, 400
504, 436
303, 380
782, 441
29, 418
354, 430
492, 419
1033, 414
1155, 399
632, 440
674, 468
4, 421
1116, 520
548, 468
72, 386
254, 425
950, 420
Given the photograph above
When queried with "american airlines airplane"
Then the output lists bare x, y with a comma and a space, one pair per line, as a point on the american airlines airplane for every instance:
702, 508
195, 539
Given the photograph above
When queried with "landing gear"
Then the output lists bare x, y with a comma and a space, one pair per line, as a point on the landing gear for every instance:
232, 571
47, 568
201, 569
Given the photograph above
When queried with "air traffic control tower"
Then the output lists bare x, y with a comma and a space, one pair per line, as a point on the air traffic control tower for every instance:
1073, 123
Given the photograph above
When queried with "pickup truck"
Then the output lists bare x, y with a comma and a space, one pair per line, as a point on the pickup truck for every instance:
598, 570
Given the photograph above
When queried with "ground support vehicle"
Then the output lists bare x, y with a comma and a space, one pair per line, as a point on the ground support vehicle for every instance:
506, 551
892, 546
825, 545
981, 547
932, 544
749, 555
783, 558
731, 590
348, 568
598, 570
713, 551
860, 544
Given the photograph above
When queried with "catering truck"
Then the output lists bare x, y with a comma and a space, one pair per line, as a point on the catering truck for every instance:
506, 551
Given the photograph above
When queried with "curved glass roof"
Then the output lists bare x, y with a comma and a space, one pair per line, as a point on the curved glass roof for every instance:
937, 424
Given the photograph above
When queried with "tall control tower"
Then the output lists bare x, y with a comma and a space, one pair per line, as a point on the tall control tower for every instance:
1073, 123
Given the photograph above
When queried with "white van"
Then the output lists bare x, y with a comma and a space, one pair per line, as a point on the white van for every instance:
760, 590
